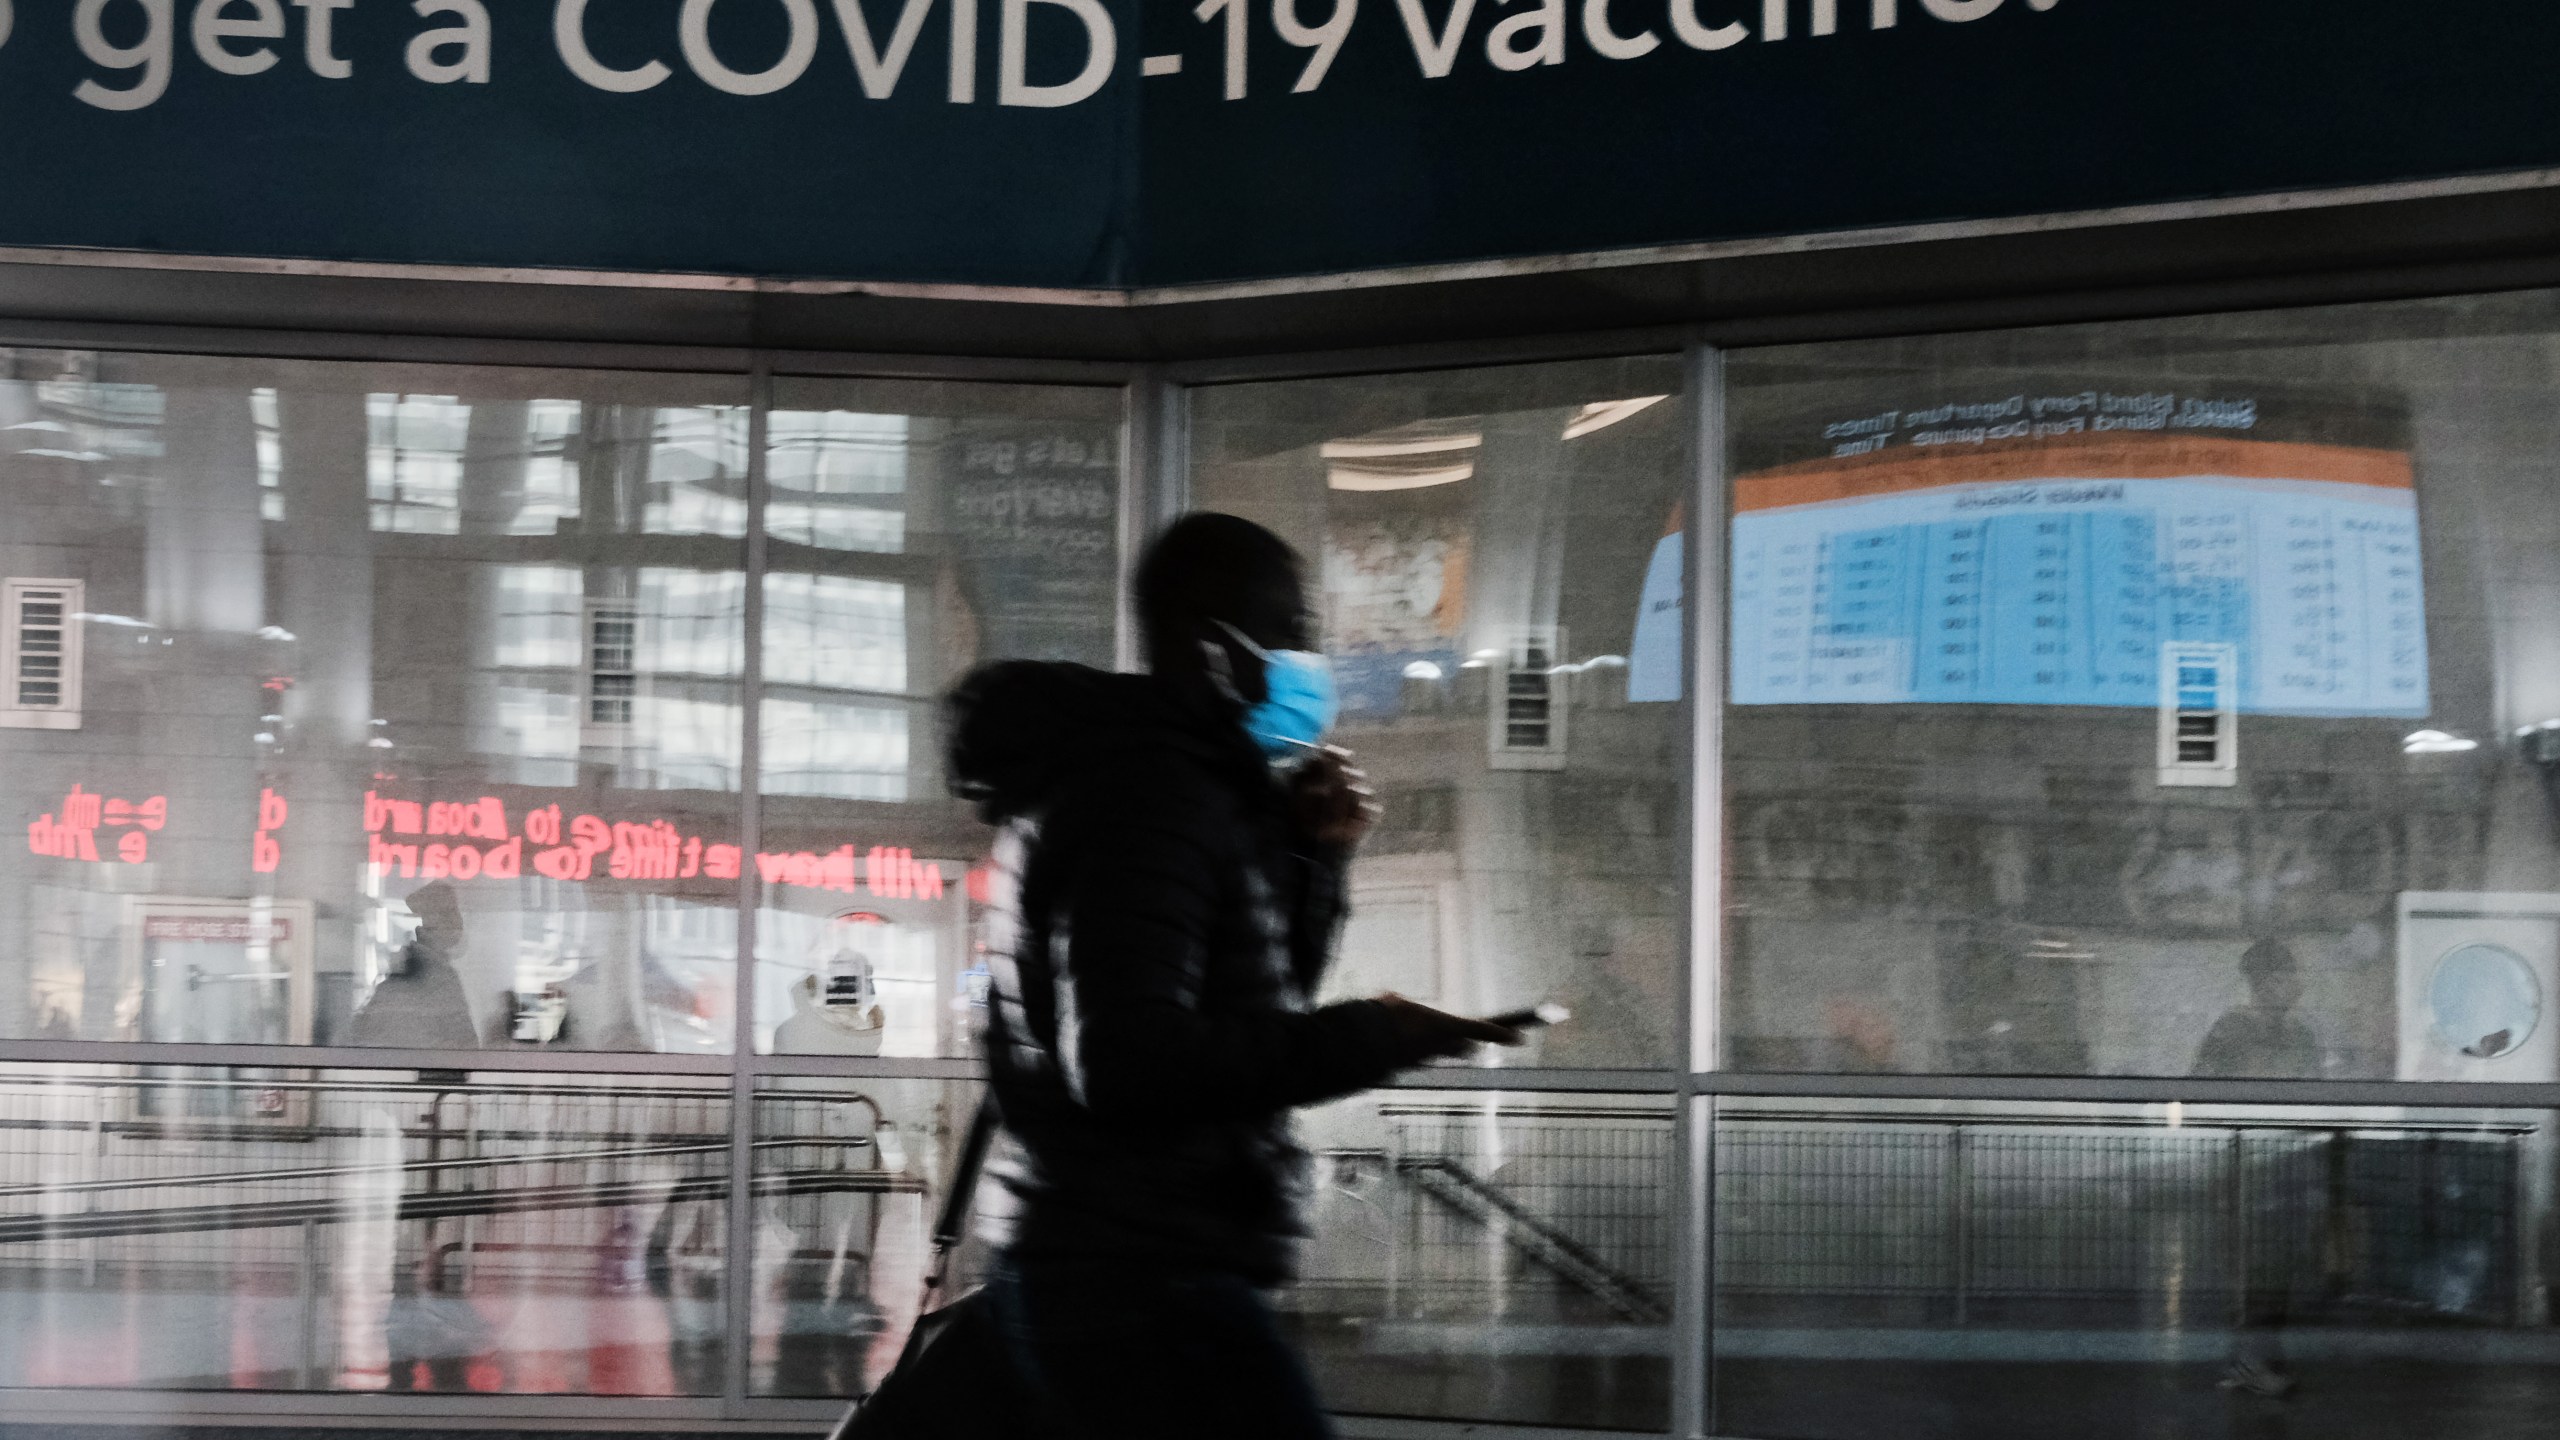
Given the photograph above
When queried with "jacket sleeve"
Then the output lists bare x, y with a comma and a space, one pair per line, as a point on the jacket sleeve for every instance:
1130, 951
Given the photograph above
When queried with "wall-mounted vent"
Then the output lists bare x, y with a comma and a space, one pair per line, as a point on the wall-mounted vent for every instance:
2199, 714
40, 654
1527, 709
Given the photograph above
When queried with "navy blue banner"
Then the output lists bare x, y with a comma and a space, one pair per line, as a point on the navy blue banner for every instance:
1088, 143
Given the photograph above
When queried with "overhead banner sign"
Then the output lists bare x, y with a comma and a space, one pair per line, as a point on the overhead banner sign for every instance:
1104, 143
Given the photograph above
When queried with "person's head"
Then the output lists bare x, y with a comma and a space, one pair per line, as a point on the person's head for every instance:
439, 912
1209, 579
2275, 978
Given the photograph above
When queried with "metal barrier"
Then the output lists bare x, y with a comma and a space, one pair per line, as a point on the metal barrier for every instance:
1563, 1215
2226, 1219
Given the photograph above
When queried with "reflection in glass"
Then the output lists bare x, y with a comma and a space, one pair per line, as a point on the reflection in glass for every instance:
1498, 556
401, 1231
1500, 1258
917, 530
1984, 1271
1979, 822
850, 1176
388, 705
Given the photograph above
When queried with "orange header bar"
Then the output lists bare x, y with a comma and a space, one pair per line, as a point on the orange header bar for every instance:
1904, 468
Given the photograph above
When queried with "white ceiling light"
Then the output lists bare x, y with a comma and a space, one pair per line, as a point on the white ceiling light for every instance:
2435, 742
1409, 457
1601, 414
1385, 449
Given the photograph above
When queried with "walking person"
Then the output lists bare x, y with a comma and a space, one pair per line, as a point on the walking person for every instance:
1172, 882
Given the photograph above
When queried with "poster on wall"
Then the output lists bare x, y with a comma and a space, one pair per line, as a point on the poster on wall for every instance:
2045, 546
1035, 514
1395, 582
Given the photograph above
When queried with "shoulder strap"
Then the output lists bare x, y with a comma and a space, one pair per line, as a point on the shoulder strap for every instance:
964, 1188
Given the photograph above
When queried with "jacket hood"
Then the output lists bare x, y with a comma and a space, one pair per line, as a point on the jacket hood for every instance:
1018, 729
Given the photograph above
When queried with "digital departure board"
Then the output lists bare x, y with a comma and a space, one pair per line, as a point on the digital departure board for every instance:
1994, 553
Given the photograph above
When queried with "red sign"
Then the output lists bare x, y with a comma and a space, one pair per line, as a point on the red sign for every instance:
74, 836
483, 841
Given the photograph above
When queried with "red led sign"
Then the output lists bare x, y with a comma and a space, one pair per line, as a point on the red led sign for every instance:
564, 846
74, 836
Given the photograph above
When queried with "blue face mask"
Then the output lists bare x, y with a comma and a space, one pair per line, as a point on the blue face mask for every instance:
1298, 704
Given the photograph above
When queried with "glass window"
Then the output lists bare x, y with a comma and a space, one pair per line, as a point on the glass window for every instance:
1984, 1272
854, 1173
402, 1231
914, 531
1499, 553
2170, 698
366, 705
1495, 1258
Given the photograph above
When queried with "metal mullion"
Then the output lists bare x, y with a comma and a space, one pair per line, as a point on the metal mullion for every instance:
982, 369
783, 1412
1479, 354
1142, 463
1170, 494
164, 1407
1701, 1020
346, 1057
736, 1291
2136, 1090
1534, 1081
1390, 1427
861, 1067
370, 348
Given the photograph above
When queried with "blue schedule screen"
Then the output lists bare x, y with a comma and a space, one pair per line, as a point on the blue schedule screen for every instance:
1895, 581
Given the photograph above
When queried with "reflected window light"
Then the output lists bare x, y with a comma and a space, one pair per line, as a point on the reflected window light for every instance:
839, 479
697, 472
836, 632
2435, 742
694, 622
413, 462
1596, 662
685, 744
537, 728
837, 751
1601, 414
265, 421
536, 624
1424, 670
551, 431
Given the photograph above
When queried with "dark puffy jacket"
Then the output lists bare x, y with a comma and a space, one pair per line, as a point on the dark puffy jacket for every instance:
1159, 929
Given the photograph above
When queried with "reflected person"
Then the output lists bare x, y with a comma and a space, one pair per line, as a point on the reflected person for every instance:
1170, 886
2264, 1038
420, 1004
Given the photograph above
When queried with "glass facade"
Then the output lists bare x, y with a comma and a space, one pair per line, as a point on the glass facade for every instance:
914, 530
1500, 553
462, 1232
1961, 836
2058, 922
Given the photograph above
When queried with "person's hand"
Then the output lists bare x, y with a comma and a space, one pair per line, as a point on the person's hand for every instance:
1332, 799
1423, 1033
